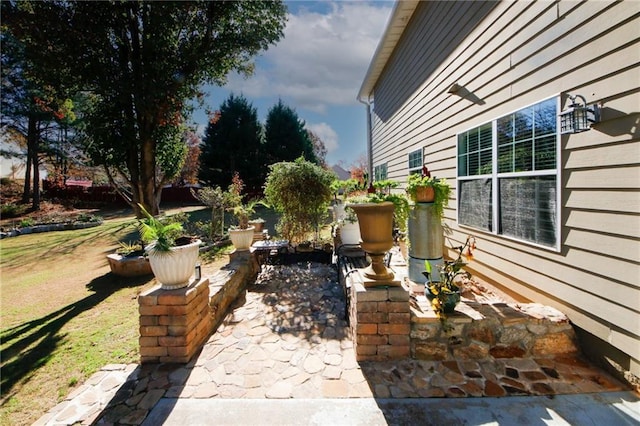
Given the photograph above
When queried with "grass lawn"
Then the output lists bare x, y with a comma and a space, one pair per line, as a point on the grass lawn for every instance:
64, 315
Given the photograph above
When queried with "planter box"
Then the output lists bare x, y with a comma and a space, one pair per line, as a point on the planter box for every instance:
134, 266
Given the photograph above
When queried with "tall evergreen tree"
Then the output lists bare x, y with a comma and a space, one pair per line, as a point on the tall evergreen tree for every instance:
233, 143
286, 138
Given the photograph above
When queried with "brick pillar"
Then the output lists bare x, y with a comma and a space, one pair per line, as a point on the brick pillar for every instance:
174, 324
380, 321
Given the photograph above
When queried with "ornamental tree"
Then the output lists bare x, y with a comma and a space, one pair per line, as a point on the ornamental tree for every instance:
142, 63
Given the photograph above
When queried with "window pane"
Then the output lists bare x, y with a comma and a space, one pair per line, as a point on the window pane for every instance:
415, 159
462, 165
462, 143
474, 206
505, 158
545, 118
504, 128
528, 208
523, 124
472, 141
545, 152
523, 161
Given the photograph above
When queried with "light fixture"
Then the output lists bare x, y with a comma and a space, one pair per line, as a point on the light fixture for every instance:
578, 117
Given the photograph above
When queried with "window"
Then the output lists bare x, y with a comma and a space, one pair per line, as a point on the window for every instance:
415, 161
380, 172
508, 175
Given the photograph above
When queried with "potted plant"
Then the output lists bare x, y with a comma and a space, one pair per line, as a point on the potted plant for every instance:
345, 188
445, 294
242, 234
172, 256
129, 260
377, 213
423, 188
349, 227
258, 224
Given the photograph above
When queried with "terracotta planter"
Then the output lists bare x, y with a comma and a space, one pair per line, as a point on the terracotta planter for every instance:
242, 238
376, 235
173, 269
424, 194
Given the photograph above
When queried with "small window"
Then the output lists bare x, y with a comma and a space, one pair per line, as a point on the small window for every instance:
508, 175
415, 161
380, 172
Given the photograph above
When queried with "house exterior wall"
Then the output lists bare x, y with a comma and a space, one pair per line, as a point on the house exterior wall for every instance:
507, 56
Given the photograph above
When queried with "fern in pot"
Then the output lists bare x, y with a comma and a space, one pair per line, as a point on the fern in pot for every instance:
172, 255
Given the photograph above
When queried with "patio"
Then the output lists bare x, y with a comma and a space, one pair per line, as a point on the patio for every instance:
290, 340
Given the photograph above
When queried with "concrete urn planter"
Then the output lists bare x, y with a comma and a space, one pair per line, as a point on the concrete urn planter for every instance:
173, 269
376, 235
242, 238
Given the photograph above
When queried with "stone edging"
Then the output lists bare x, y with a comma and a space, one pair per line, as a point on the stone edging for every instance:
48, 228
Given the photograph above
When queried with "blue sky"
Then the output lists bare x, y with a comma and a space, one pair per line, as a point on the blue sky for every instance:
317, 69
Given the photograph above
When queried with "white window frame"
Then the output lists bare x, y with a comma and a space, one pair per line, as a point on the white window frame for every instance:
495, 177
416, 169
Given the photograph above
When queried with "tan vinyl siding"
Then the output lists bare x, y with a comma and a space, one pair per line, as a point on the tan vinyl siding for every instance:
507, 56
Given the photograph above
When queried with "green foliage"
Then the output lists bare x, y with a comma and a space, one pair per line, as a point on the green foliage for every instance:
27, 221
233, 143
401, 204
10, 210
219, 201
127, 248
447, 290
286, 137
301, 192
345, 187
162, 234
441, 188
385, 185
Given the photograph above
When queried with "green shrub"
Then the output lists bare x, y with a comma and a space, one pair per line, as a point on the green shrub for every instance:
10, 210
300, 191
26, 222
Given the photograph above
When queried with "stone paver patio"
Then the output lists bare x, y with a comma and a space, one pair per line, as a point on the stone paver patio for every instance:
290, 340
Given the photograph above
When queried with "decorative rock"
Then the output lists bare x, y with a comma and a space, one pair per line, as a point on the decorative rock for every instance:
431, 351
507, 352
493, 389
551, 344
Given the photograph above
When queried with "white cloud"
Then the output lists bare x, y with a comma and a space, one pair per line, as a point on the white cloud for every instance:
322, 58
326, 133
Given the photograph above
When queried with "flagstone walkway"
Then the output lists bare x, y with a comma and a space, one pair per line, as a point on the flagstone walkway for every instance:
290, 340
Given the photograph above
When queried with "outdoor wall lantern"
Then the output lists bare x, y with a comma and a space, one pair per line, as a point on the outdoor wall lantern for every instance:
578, 117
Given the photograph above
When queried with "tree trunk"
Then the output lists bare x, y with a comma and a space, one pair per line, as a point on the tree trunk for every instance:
148, 177
32, 139
36, 169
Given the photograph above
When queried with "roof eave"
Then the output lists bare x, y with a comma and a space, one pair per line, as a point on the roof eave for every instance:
400, 16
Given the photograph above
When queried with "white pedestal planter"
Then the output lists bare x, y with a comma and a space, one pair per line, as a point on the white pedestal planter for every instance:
173, 269
350, 233
241, 238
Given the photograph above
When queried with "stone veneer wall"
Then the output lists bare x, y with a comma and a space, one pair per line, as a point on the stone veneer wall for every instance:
386, 323
498, 330
174, 324
380, 322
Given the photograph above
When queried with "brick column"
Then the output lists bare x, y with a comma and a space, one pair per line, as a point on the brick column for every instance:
380, 321
174, 324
